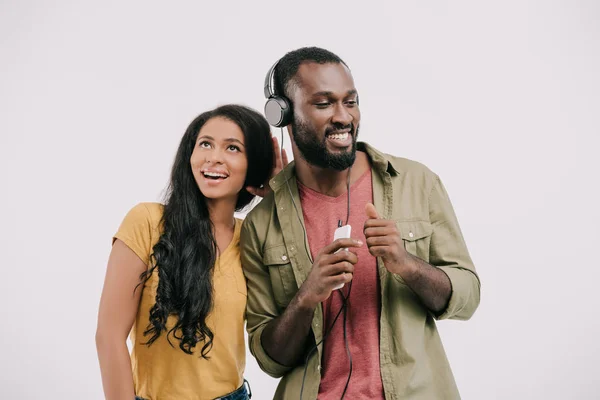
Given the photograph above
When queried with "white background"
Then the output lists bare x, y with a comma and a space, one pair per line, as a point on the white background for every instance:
501, 99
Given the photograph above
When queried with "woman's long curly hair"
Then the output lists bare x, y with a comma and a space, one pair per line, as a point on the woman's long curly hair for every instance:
186, 250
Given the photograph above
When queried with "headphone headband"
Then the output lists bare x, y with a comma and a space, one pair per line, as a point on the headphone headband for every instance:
269, 87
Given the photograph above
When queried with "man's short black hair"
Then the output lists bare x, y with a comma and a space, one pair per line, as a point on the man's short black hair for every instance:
288, 65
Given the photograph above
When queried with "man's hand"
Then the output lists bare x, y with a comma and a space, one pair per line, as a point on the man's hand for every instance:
284, 338
328, 271
280, 160
384, 240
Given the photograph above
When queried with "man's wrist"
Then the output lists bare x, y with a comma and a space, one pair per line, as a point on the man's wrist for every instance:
407, 268
304, 301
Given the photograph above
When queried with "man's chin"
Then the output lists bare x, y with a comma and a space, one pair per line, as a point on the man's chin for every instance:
333, 150
341, 160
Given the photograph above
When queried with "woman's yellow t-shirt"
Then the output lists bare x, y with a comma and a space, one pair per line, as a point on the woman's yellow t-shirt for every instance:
165, 372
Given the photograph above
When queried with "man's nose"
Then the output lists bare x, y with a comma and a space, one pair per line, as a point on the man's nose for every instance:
342, 115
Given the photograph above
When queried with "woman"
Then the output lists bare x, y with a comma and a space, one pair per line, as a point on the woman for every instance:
174, 277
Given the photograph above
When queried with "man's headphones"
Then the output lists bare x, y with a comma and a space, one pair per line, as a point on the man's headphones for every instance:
278, 109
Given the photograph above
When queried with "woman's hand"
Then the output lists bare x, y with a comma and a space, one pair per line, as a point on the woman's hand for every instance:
281, 160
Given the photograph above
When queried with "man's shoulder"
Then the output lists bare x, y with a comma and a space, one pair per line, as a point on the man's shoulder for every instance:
262, 211
402, 165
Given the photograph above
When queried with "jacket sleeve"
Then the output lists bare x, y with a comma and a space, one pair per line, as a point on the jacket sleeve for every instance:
261, 307
448, 251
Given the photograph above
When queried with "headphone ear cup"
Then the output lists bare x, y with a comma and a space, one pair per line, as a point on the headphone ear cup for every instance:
278, 111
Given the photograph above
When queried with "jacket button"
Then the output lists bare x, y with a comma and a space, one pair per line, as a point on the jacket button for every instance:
284, 257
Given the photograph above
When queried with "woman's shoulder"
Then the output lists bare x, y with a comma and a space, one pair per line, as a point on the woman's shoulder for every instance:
146, 214
139, 230
154, 210
147, 210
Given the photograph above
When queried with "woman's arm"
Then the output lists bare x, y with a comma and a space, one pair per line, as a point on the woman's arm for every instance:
118, 308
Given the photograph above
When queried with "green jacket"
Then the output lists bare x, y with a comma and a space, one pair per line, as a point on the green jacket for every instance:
412, 358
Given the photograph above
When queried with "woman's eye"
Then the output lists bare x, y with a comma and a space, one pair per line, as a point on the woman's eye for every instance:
233, 148
204, 145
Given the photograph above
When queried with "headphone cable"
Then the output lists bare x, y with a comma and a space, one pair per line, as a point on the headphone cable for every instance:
345, 300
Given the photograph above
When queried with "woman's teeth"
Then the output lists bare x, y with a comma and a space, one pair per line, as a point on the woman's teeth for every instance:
214, 175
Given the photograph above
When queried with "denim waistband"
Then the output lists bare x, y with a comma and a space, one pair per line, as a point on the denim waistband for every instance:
242, 393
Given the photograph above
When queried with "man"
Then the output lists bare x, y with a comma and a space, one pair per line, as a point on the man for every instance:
405, 265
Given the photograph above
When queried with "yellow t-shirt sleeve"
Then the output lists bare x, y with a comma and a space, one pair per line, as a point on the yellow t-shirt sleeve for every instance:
136, 231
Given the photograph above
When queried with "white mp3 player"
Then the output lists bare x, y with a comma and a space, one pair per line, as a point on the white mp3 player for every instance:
343, 232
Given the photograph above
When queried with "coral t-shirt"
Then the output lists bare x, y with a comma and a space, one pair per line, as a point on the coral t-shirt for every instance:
321, 216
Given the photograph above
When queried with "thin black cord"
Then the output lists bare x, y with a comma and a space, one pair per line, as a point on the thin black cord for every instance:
345, 299
296, 208
316, 346
345, 306
348, 195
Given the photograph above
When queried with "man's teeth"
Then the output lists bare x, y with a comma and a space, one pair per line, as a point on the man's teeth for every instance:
339, 136
215, 175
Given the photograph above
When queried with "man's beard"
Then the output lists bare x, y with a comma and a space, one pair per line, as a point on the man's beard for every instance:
316, 153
